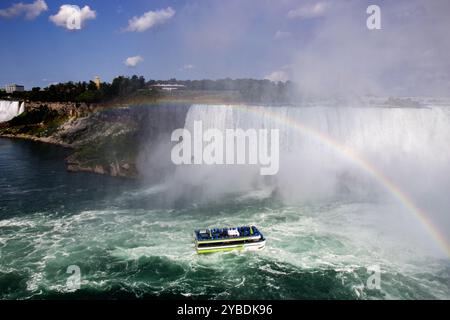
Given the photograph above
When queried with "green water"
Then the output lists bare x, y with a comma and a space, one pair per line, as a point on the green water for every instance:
128, 243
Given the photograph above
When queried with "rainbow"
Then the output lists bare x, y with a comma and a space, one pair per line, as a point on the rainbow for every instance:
353, 157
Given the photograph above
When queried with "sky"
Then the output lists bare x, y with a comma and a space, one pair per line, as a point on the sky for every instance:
322, 45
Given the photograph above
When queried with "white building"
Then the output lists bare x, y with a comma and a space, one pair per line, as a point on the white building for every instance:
10, 88
168, 87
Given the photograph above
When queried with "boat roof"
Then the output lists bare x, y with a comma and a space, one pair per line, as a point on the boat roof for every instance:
227, 233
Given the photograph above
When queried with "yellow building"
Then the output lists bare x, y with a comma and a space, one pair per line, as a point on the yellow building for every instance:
97, 82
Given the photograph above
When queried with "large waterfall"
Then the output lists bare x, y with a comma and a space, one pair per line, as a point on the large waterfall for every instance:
325, 151
10, 109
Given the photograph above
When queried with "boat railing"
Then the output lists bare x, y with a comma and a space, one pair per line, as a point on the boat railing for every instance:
218, 234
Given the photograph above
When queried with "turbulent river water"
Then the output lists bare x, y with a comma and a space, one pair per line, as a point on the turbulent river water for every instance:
129, 241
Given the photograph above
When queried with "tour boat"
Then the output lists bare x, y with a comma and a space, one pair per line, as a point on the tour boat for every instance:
227, 239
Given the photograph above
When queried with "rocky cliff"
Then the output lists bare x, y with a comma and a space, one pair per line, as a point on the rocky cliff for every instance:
104, 139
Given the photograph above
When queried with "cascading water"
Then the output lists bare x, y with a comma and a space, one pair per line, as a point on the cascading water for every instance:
10, 109
318, 146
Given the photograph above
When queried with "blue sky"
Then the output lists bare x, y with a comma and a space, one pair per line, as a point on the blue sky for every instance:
321, 44
204, 39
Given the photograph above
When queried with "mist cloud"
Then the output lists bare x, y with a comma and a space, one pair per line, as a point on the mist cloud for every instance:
409, 56
278, 76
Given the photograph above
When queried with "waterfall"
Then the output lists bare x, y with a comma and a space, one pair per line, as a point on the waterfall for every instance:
10, 109
424, 132
318, 147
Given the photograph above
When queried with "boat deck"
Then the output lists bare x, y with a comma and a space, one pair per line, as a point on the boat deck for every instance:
227, 234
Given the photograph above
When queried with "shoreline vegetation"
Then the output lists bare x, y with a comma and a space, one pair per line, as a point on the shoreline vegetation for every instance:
105, 136
136, 88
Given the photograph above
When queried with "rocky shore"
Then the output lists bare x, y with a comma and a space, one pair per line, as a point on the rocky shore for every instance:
105, 139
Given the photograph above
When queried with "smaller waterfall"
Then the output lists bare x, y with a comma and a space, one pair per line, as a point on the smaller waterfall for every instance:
10, 109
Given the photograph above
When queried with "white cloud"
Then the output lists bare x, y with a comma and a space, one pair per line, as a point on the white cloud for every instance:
30, 11
278, 76
72, 17
132, 62
309, 11
187, 67
280, 35
149, 20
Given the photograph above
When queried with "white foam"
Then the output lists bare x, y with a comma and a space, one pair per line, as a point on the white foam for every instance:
10, 109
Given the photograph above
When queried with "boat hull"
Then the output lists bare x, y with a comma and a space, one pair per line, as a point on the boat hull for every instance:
241, 247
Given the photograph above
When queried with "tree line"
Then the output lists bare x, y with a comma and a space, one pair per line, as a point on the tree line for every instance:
120, 87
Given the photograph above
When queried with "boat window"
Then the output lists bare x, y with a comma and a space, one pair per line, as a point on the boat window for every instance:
229, 243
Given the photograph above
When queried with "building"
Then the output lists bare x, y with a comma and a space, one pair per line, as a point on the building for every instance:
168, 87
10, 88
97, 82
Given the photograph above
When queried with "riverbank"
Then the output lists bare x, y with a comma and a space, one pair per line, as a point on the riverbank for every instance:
36, 139
104, 138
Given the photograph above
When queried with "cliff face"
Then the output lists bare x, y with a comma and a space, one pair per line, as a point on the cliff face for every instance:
104, 140
71, 109
110, 141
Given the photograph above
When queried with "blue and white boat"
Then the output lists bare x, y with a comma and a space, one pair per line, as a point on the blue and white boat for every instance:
227, 239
